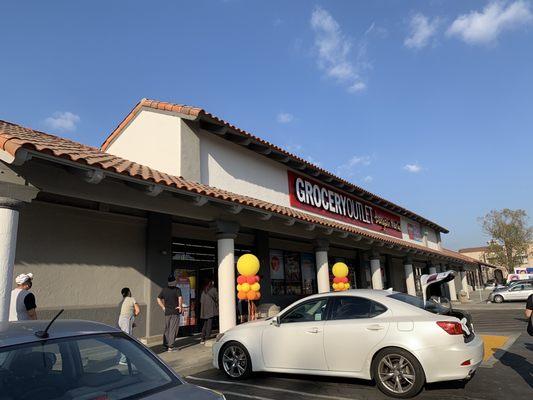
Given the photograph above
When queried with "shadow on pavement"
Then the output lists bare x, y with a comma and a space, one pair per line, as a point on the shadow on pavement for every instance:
446, 385
181, 343
519, 364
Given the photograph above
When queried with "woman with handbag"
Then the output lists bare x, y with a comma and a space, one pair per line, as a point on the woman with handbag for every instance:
208, 309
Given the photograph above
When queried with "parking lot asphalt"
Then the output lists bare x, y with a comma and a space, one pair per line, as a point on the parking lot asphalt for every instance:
506, 374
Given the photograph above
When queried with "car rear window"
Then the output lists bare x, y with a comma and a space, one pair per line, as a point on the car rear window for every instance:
429, 305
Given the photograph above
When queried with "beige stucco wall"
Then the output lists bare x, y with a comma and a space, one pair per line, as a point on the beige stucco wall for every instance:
80, 258
227, 166
432, 239
152, 138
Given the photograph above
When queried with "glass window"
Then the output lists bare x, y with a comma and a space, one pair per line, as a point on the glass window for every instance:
429, 305
112, 367
314, 310
355, 308
292, 273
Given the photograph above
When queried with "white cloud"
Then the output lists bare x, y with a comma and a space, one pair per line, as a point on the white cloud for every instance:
334, 52
484, 27
368, 179
284, 118
421, 30
62, 121
413, 168
353, 165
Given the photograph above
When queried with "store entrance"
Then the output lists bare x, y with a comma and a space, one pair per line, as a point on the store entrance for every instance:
193, 265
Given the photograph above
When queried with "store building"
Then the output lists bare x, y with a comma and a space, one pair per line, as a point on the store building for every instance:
487, 268
175, 189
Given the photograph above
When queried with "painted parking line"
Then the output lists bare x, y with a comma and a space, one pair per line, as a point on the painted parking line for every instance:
491, 343
495, 346
269, 388
247, 396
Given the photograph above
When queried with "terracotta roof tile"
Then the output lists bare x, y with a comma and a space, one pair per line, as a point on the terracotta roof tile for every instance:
14, 137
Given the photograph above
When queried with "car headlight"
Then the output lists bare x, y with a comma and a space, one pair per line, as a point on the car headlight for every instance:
219, 337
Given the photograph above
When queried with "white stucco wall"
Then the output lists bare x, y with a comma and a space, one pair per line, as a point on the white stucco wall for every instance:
432, 239
152, 138
80, 258
227, 166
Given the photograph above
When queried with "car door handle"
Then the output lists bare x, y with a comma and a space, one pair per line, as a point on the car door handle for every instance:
312, 330
375, 327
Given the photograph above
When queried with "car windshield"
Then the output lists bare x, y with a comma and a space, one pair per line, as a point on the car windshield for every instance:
103, 367
430, 305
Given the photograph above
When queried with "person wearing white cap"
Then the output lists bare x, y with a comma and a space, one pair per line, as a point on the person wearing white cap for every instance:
22, 306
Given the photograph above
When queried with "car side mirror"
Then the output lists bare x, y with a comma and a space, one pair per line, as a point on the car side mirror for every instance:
276, 321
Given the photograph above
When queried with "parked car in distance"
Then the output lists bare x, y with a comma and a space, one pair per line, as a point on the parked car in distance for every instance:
400, 341
86, 361
516, 291
492, 284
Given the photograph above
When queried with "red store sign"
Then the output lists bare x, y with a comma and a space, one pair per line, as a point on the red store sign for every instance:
310, 195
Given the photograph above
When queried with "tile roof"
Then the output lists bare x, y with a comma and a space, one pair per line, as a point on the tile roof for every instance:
15, 137
196, 113
474, 249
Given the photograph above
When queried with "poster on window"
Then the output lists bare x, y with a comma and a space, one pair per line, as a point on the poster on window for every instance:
308, 273
293, 275
184, 285
413, 230
276, 265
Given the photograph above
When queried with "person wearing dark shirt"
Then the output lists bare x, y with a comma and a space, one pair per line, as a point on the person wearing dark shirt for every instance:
170, 301
22, 306
529, 314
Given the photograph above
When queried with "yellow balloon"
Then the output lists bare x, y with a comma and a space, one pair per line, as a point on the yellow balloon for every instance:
248, 265
239, 288
245, 287
335, 286
340, 270
255, 287
346, 286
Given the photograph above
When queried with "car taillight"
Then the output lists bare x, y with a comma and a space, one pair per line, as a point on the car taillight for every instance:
451, 328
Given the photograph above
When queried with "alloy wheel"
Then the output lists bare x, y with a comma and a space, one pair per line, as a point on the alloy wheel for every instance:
396, 373
498, 299
234, 361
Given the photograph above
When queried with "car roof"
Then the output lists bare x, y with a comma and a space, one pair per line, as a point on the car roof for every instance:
368, 293
13, 333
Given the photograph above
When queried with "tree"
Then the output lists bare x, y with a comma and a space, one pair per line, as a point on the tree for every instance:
510, 237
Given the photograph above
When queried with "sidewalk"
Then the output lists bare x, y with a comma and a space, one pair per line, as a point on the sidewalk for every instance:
191, 358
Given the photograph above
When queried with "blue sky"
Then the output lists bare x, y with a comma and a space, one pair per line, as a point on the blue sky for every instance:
427, 103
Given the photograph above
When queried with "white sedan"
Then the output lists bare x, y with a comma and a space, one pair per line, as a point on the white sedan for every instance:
398, 340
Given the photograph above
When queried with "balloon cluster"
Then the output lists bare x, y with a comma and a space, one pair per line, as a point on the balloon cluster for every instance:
340, 272
248, 282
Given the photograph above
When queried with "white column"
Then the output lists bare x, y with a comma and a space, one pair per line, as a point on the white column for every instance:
375, 271
322, 271
452, 289
9, 217
226, 282
464, 283
409, 277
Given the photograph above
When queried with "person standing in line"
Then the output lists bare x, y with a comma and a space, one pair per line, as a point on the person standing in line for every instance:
129, 309
529, 314
170, 301
208, 309
22, 306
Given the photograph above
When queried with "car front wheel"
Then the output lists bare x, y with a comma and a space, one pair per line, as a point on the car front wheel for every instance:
498, 299
235, 361
398, 373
